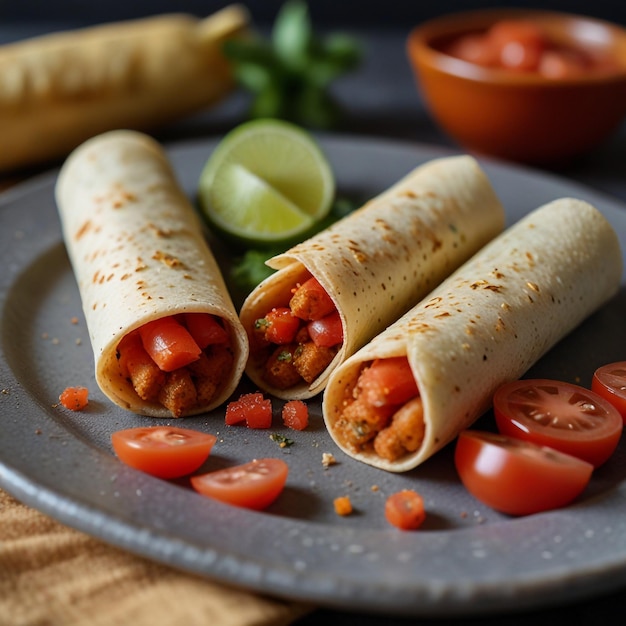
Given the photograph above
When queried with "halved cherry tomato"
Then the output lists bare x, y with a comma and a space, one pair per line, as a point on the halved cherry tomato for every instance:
295, 414
169, 343
280, 325
253, 485
326, 331
405, 509
609, 381
163, 451
517, 477
560, 415
205, 329
388, 381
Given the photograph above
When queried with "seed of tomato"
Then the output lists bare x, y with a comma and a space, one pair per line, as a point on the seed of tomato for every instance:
405, 509
253, 485
517, 477
567, 417
609, 381
163, 451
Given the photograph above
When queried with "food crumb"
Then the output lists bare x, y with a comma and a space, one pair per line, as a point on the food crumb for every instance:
74, 320
374, 488
55, 341
328, 459
343, 505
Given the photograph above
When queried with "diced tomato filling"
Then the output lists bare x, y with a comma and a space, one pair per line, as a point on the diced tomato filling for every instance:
383, 411
297, 340
180, 362
252, 408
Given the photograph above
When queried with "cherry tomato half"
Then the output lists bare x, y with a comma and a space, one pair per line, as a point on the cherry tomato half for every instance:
163, 451
253, 485
517, 477
609, 381
559, 415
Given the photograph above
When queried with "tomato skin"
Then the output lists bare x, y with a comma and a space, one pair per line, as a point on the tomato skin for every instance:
295, 414
326, 331
559, 415
163, 451
388, 381
517, 477
609, 381
253, 485
169, 343
281, 325
405, 510
205, 329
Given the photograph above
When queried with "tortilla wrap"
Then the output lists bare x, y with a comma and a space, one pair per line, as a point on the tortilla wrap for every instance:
489, 322
383, 258
138, 253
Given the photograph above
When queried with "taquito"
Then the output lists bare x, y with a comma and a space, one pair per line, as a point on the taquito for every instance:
485, 325
347, 283
147, 279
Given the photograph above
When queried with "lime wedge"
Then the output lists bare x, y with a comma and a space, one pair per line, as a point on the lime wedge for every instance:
267, 182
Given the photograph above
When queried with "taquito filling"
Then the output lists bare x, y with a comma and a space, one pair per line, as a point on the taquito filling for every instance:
382, 411
180, 362
296, 340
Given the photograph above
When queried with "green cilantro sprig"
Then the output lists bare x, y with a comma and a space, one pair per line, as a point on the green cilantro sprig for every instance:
289, 74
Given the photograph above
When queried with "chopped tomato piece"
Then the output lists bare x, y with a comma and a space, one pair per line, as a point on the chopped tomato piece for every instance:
74, 398
163, 451
205, 329
295, 414
560, 415
253, 485
518, 477
169, 343
405, 509
519, 44
326, 331
388, 381
279, 326
252, 408
609, 381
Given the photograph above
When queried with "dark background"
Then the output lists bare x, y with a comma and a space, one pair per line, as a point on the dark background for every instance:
352, 13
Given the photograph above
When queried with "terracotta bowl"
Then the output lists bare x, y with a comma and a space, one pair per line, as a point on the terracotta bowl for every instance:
521, 116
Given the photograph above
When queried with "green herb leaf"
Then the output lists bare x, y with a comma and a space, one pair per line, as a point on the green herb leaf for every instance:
289, 74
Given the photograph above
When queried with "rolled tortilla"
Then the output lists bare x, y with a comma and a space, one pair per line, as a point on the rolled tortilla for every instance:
380, 260
138, 253
487, 324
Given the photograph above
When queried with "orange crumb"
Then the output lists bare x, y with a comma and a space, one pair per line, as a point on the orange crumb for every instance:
343, 506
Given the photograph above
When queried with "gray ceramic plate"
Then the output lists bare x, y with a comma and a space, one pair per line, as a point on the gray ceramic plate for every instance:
466, 559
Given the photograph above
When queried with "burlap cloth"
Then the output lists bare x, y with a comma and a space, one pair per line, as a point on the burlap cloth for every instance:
53, 575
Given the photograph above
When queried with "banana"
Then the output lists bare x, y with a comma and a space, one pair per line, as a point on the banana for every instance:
57, 90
